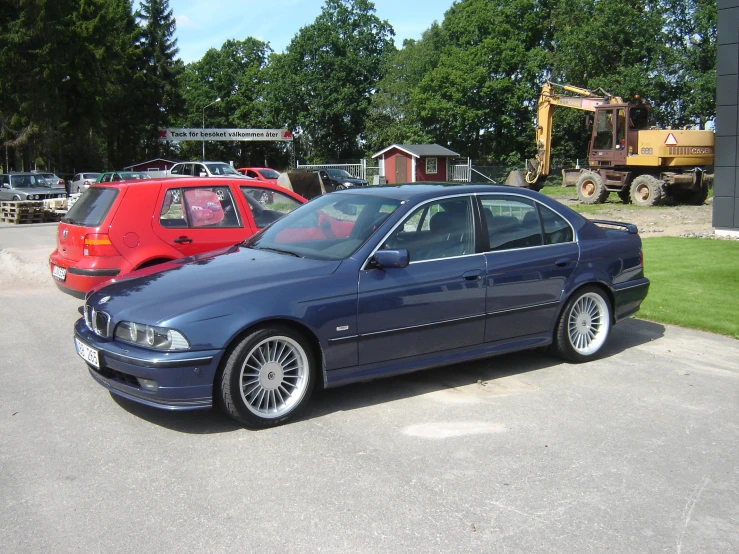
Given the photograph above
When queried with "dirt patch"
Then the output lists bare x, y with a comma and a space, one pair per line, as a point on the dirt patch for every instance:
18, 272
669, 221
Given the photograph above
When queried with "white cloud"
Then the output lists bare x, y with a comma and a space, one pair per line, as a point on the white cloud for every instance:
184, 22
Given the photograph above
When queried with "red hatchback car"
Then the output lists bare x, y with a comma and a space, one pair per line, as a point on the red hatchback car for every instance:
118, 227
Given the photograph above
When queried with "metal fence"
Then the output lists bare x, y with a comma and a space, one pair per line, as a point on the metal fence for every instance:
359, 169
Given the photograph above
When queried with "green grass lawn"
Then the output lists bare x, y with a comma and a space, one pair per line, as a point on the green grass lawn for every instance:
694, 283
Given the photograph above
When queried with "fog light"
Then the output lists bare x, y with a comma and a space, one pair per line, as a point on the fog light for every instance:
148, 384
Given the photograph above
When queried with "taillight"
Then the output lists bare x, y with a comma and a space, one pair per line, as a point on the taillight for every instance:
99, 245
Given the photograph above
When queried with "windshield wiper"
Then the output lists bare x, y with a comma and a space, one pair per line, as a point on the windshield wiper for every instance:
288, 252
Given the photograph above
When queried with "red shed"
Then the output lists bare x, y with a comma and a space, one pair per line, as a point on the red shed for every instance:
158, 164
412, 163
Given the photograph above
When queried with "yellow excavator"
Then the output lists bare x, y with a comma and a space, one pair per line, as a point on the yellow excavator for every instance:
643, 164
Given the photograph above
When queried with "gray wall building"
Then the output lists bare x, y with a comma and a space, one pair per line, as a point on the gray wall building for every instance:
726, 170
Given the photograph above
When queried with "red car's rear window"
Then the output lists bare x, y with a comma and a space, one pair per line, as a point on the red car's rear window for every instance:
92, 207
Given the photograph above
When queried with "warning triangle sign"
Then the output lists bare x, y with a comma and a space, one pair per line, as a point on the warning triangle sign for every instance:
670, 140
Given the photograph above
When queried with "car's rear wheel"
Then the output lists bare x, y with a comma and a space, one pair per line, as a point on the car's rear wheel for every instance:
268, 377
583, 326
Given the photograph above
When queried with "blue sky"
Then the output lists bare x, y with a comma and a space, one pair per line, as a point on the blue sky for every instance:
204, 24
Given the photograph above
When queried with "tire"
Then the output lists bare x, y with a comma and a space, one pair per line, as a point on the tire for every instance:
584, 325
79, 190
340, 187
646, 190
16, 198
268, 377
590, 188
696, 197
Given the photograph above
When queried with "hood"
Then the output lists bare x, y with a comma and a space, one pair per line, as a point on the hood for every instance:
356, 180
205, 283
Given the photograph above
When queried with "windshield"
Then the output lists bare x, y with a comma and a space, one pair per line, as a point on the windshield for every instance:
222, 169
50, 180
134, 175
25, 181
331, 227
339, 174
270, 174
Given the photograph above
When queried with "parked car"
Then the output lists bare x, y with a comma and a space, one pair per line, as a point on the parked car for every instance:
113, 176
26, 186
361, 284
82, 181
203, 169
115, 228
265, 174
339, 179
53, 181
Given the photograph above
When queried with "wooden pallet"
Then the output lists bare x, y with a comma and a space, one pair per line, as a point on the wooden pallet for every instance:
12, 209
22, 218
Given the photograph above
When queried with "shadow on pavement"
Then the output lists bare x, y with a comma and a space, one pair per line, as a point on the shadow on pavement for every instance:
625, 335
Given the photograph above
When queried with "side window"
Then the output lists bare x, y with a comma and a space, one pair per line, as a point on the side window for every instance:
76, 177
324, 175
511, 221
199, 170
6, 180
171, 213
267, 205
187, 169
210, 207
442, 229
176, 170
556, 229
115, 177
251, 173
106, 178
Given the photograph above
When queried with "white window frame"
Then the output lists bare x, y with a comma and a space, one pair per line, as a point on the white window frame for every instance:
436, 166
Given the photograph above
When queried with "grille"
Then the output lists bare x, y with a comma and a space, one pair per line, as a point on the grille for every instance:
97, 322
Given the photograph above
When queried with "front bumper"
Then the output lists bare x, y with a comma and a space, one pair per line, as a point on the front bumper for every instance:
184, 379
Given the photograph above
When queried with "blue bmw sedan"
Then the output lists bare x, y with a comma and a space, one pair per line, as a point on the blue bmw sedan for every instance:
357, 285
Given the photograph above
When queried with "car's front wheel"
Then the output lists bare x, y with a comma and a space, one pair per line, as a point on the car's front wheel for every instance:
583, 326
268, 377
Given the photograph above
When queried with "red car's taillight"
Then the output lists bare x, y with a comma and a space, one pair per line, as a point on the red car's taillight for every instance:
99, 245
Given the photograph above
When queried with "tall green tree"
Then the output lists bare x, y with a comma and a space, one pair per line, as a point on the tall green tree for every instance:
394, 117
321, 86
236, 74
162, 68
478, 100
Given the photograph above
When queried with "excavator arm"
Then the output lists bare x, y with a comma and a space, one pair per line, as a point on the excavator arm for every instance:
584, 99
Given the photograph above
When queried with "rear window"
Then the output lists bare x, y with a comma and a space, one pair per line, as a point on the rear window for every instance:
92, 207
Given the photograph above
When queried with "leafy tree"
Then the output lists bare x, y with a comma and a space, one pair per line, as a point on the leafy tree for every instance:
162, 68
321, 85
478, 99
393, 116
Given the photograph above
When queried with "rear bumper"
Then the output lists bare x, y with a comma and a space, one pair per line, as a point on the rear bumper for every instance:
80, 279
628, 297
184, 379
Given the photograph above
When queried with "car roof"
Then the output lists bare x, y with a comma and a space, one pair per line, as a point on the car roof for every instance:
408, 191
193, 182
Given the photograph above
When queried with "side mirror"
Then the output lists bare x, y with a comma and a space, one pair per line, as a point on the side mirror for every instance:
391, 258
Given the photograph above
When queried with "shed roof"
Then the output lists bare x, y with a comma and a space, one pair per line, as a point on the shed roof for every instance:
149, 161
419, 150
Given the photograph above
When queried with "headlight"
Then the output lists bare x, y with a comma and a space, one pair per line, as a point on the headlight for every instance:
148, 336
34, 197
348, 184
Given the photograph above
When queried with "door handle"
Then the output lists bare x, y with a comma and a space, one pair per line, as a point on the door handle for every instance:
183, 240
473, 275
562, 262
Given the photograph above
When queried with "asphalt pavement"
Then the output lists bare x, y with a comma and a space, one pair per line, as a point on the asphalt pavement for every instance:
635, 452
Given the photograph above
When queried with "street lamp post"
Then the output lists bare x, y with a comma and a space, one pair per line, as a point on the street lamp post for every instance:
214, 101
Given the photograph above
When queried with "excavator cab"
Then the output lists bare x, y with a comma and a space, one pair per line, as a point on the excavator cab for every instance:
615, 133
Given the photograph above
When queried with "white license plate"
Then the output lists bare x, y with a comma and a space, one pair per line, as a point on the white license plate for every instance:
59, 273
87, 353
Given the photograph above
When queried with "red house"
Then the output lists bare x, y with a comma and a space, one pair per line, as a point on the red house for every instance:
413, 163
158, 164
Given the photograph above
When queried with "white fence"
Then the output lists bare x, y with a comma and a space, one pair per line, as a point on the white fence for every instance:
359, 170
461, 172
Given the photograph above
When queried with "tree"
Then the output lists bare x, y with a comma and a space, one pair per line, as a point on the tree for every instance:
393, 116
162, 68
321, 85
236, 74
478, 100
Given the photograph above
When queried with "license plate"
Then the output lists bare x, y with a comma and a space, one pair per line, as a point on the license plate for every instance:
59, 273
87, 353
